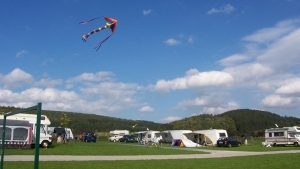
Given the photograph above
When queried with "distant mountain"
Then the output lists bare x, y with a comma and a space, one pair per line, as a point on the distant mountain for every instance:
236, 122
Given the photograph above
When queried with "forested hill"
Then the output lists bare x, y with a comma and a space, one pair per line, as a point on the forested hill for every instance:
256, 120
235, 122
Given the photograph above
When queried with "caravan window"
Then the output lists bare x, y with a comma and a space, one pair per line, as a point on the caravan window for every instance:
222, 134
270, 134
7, 133
20, 134
278, 134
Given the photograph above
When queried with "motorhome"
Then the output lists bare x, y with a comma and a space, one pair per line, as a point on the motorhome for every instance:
115, 135
283, 136
45, 138
18, 134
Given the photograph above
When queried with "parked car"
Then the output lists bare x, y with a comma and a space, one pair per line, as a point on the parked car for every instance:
128, 138
89, 137
228, 142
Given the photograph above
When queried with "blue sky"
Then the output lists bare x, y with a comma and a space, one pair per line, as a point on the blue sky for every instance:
167, 60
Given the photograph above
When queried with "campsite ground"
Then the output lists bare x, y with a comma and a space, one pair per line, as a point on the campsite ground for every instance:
128, 155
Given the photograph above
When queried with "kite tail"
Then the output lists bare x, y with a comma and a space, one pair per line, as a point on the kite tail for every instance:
84, 37
100, 43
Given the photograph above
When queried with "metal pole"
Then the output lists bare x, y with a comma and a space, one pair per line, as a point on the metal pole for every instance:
3, 139
37, 136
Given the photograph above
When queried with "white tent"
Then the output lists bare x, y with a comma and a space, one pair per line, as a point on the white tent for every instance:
178, 135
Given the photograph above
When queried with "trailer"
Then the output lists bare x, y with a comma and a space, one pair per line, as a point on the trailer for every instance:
283, 136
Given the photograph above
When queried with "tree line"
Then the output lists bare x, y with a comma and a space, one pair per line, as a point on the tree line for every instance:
236, 122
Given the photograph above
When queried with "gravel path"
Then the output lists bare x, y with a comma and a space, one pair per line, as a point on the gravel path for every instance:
212, 154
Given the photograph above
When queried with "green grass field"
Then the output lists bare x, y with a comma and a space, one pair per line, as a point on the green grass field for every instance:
278, 161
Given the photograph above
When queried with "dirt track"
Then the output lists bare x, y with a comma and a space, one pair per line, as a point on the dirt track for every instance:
212, 154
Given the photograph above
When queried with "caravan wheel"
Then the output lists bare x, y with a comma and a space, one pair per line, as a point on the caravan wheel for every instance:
296, 144
45, 144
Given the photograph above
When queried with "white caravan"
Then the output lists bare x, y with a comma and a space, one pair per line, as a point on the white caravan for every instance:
115, 135
150, 135
45, 139
69, 132
179, 138
283, 136
209, 136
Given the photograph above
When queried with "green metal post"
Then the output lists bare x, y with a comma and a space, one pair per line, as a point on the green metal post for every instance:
3, 139
37, 135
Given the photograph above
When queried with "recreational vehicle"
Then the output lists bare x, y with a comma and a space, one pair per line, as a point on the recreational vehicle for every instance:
45, 139
18, 134
115, 135
283, 136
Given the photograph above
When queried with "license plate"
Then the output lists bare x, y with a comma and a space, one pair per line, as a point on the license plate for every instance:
221, 142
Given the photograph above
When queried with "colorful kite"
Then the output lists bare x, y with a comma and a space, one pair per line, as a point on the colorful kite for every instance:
111, 23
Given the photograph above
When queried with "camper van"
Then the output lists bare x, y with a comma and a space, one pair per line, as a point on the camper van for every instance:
115, 135
45, 139
283, 136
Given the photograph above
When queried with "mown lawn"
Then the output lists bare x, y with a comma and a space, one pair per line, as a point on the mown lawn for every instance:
100, 148
278, 161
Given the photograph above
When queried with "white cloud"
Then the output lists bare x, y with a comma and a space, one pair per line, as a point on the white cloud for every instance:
172, 42
233, 60
16, 78
147, 12
270, 34
221, 109
146, 109
170, 119
92, 77
278, 101
94, 93
291, 87
224, 9
21, 53
195, 79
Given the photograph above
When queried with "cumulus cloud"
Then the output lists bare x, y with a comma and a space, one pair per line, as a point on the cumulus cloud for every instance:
195, 79
277, 101
94, 93
146, 109
224, 9
172, 42
16, 78
291, 87
147, 12
21, 53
